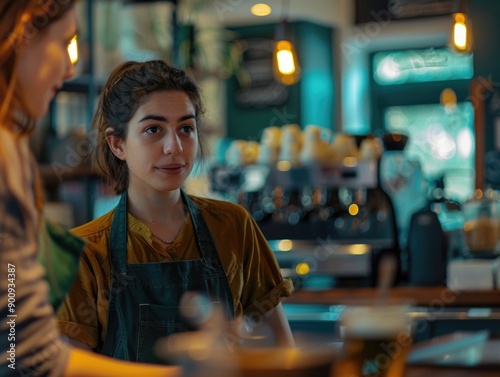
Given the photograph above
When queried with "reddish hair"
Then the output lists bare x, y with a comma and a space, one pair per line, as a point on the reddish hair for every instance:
20, 22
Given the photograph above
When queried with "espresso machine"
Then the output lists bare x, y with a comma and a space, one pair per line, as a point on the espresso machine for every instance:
328, 224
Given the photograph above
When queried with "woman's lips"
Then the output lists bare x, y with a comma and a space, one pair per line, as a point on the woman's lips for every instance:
173, 169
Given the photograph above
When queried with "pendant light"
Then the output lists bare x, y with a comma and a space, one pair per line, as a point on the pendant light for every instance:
461, 36
73, 50
286, 65
448, 99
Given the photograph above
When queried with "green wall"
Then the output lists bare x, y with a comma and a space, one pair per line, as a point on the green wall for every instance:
310, 101
485, 19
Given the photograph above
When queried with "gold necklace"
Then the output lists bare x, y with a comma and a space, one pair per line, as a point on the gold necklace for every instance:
162, 240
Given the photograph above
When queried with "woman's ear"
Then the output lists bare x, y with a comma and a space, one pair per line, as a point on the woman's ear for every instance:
115, 143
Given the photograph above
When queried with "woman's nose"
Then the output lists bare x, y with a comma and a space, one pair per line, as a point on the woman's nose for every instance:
172, 145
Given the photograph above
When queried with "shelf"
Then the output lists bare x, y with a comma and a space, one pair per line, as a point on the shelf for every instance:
435, 297
54, 175
82, 84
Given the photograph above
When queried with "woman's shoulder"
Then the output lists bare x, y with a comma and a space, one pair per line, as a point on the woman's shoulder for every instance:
219, 207
95, 228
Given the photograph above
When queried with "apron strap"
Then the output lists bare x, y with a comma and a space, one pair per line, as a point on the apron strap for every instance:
118, 252
202, 234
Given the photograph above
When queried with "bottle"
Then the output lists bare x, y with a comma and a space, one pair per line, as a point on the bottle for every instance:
427, 247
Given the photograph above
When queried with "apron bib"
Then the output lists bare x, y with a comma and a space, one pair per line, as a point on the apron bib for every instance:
144, 298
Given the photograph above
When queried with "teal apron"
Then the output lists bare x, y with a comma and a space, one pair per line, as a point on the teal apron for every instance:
144, 298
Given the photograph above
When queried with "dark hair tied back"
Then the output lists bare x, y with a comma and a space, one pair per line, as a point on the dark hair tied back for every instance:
128, 87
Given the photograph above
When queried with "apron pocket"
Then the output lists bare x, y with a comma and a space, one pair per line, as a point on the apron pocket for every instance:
156, 322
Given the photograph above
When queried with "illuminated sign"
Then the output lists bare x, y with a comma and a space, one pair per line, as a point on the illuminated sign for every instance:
399, 67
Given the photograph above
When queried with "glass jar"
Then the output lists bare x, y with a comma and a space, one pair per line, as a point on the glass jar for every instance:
482, 226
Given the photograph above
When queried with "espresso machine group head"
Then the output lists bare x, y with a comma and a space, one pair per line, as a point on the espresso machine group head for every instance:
331, 220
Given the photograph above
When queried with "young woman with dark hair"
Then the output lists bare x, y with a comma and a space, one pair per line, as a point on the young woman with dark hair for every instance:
160, 242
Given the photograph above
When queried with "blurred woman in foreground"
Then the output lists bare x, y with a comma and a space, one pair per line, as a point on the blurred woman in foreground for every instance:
34, 63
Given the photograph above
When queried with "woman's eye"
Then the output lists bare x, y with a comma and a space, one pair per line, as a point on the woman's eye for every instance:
187, 128
152, 130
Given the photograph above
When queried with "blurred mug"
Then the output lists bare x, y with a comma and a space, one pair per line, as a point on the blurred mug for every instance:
316, 146
377, 339
291, 143
271, 136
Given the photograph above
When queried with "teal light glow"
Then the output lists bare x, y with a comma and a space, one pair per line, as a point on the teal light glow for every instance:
441, 140
317, 95
400, 67
355, 106
465, 139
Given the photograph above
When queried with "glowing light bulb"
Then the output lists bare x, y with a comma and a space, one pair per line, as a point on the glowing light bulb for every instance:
460, 38
261, 10
73, 50
284, 53
285, 61
460, 35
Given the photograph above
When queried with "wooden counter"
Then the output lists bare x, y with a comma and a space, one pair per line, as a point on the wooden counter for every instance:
429, 371
435, 297
413, 371
487, 366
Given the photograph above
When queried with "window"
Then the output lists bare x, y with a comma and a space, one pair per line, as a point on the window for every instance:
442, 140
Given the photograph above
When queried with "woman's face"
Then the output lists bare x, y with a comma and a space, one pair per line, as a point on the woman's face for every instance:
162, 142
44, 62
